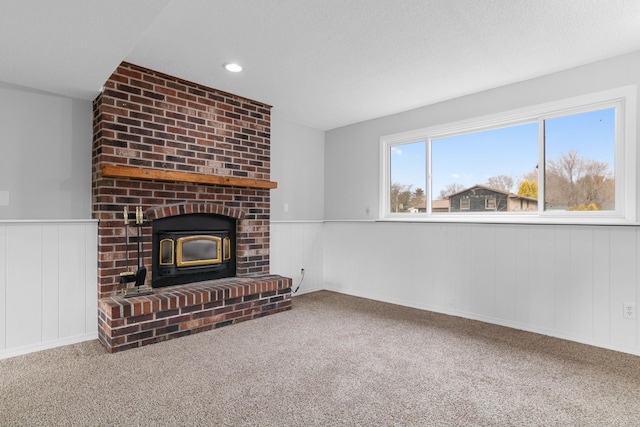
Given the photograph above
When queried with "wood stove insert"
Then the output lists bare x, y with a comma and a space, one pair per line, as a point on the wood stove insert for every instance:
192, 248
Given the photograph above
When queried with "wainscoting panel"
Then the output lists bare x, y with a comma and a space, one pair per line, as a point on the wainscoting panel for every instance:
24, 296
296, 245
507, 271
560, 280
72, 245
602, 276
581, 282
624, 283
48, 284
3, 287
51, 286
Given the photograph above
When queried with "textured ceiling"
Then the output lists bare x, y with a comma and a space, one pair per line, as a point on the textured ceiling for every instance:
320, 63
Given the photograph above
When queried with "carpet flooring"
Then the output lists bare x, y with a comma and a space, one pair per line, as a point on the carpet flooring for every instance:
333, 360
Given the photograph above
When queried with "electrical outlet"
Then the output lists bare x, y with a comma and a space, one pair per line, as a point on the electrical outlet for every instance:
629, 310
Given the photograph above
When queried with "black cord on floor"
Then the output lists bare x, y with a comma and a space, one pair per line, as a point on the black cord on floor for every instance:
299, 284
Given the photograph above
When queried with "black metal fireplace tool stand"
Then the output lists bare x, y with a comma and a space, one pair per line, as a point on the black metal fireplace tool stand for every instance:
140, 275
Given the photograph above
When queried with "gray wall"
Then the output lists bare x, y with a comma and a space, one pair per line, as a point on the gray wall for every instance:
297, 164
297, 236
45, 166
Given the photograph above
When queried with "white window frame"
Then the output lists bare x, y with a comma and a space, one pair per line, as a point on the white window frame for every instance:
624, 99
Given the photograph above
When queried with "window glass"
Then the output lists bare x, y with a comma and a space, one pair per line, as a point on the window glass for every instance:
580, 162
408, 178
476, 167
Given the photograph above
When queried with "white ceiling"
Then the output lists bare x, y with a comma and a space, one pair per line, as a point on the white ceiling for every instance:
320, 63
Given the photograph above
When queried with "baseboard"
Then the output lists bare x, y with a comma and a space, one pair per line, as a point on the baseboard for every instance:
18, 351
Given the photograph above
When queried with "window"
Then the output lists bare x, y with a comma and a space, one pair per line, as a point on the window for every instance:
465, 204
569, 161
490, 203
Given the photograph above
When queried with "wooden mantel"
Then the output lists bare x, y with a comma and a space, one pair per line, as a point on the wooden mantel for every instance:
114, 171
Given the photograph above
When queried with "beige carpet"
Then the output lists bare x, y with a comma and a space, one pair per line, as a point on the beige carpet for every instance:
332, 360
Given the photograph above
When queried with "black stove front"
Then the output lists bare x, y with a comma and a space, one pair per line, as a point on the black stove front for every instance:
193, 248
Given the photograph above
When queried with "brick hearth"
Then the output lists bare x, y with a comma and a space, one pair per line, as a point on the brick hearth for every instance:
177, 311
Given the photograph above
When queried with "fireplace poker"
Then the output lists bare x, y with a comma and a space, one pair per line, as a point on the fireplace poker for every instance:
126, 233
141, 274
126, 276
138, 227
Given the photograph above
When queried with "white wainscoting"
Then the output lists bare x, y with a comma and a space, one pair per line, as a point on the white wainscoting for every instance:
48, 284
295, 245
564, 281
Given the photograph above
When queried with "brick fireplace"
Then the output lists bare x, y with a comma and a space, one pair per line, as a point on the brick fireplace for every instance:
175, 148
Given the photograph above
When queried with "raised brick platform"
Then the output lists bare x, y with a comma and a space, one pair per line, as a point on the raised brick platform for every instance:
177, 311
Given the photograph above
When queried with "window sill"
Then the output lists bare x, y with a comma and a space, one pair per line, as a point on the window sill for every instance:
512, 219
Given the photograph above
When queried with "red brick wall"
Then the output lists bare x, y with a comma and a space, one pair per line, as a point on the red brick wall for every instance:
148, 119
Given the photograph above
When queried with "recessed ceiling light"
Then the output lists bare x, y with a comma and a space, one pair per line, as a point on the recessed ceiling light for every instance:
232, 66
